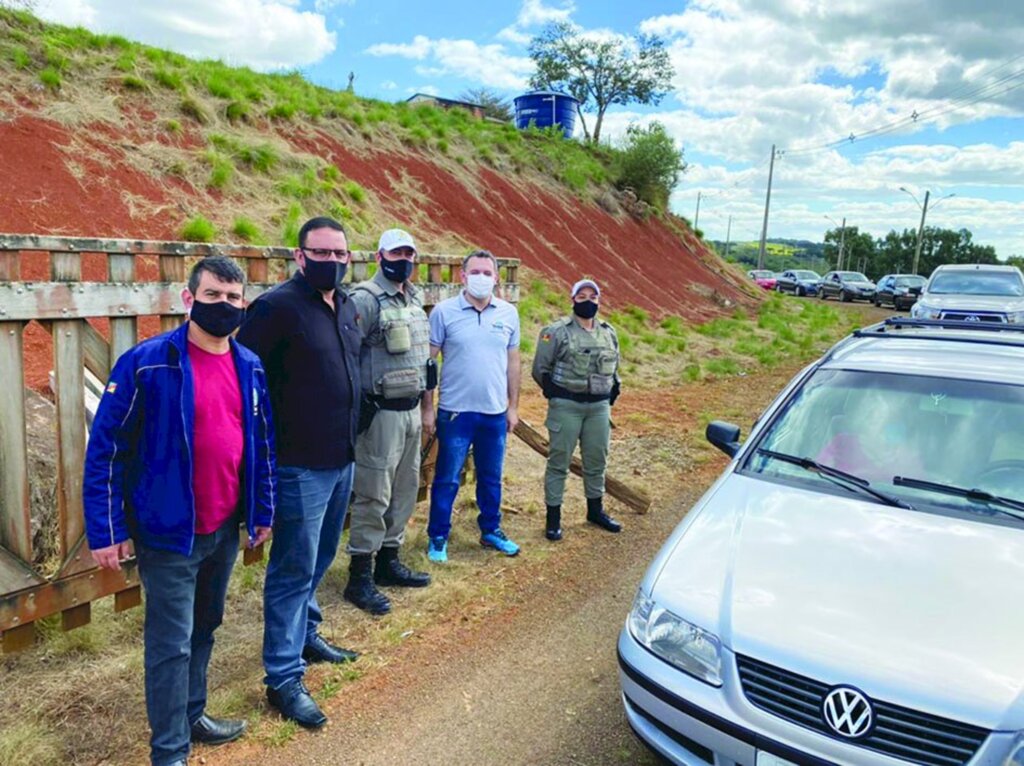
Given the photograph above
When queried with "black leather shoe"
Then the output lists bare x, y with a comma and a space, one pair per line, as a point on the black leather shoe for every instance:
553, 529
295, 703
597, 516
319, 649
216, 731
360, 589
390, 571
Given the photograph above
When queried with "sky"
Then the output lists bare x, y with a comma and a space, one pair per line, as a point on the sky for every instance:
859, 97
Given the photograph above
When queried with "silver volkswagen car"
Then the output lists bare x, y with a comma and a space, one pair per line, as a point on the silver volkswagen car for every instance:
850, 590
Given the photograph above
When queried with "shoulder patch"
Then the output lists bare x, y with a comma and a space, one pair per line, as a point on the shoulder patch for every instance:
545, 337
111, 388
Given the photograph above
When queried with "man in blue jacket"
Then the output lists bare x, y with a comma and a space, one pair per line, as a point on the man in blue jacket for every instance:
181, 451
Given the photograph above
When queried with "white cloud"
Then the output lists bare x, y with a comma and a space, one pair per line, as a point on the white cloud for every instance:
430, 90
489, 65
535, 13
263, 34
323, 6
389, 85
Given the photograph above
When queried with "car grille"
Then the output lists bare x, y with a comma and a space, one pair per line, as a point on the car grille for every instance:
898, 732
972, 316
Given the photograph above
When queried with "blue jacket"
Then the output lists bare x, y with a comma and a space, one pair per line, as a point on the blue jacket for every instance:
138, 466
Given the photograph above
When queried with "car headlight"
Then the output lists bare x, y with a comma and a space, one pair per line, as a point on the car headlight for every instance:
921, 311
676, 641
1016, 756
1015, 317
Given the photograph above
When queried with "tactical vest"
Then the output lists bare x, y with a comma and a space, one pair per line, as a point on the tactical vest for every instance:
588, 361
397, 365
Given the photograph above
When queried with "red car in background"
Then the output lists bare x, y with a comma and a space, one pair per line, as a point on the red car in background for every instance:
765, 279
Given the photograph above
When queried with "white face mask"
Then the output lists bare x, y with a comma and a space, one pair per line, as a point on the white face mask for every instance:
480, 286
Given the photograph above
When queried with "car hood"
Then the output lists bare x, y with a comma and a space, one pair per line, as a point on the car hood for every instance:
916, 609
1002, 303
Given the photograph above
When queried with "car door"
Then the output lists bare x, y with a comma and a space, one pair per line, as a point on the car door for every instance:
835, 285
785, 282
885, 290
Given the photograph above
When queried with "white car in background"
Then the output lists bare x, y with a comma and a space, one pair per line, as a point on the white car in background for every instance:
973, 293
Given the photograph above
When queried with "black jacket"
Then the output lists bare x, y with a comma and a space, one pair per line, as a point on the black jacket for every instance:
311, 356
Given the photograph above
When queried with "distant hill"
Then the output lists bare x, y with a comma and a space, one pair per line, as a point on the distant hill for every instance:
780, 254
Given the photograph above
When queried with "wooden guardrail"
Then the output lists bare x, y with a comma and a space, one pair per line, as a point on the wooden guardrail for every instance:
92, 323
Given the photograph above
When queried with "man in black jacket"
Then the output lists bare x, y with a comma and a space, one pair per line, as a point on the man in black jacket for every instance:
305, 332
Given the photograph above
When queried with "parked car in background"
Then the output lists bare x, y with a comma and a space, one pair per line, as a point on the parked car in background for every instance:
973, 293
765, 279
901, 290
847, 286
798, 282
847, 592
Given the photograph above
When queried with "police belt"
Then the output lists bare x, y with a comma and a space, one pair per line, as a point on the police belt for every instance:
401, 405
555, 391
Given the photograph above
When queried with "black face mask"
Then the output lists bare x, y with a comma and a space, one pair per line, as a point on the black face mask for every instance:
396, 271
324, 275
219, 319
585, 309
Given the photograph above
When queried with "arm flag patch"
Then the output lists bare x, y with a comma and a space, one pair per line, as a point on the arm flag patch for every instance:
111, 388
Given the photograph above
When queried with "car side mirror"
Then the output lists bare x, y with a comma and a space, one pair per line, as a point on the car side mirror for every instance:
725, 436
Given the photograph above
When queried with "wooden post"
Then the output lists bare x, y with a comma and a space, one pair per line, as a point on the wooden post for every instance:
434, 275
635, 499
124, 332
172, 269
69, 358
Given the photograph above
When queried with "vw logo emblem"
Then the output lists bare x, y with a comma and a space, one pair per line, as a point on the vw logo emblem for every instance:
847, 712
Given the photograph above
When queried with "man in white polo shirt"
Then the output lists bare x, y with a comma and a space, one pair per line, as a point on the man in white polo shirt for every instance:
477, 336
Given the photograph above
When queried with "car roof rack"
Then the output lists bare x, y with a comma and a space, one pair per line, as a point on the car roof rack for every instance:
999, 334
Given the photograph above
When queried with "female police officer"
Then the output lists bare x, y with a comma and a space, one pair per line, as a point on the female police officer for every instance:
576, 366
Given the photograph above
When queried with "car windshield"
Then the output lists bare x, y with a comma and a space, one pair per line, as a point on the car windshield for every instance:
853, 276
763, 274
910, 282
806, 275
879, 426
1007, 283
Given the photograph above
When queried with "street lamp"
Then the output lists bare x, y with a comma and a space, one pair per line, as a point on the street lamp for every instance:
924, 212
842, 240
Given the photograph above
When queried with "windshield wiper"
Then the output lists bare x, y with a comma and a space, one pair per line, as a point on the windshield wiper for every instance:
1010, 507
841, 478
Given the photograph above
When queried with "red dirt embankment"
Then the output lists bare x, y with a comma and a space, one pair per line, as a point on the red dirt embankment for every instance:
81, 183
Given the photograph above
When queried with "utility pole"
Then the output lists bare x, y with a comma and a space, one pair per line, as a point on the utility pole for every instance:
696, 217
920, 230
728, 235
767, 204
842, 244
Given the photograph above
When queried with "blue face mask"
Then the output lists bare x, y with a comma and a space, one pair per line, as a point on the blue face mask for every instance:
396, 271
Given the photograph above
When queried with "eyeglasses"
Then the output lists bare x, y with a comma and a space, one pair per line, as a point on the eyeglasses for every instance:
320, 254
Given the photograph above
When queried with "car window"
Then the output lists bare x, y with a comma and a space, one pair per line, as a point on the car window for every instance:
910, 282
855, 276
806, 275
1003, 283
879, 426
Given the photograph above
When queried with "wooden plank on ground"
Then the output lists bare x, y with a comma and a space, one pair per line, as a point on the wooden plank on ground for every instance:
634, 498
15, 517
19, 638
127, 599
76, 616
42, 600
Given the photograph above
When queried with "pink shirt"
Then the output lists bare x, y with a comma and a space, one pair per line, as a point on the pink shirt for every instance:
217, 438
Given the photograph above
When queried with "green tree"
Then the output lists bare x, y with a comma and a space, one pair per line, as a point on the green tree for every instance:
858, 249
494, 104
895, 251
650, 163
600, 72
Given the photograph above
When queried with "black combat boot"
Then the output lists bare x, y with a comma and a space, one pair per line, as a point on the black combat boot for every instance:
390, 571
360, 589
554, 523
596, 515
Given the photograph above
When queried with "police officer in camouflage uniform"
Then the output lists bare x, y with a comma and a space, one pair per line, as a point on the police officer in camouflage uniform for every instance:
394, 360
576, 366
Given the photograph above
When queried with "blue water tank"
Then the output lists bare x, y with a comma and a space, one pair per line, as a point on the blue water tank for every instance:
545, 108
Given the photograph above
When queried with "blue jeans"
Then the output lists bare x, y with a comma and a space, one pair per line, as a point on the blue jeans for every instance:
311, 509
184, 605
456, 431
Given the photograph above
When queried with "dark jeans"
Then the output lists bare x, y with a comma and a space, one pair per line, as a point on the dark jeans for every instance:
456, 431
184, 606
311, 509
